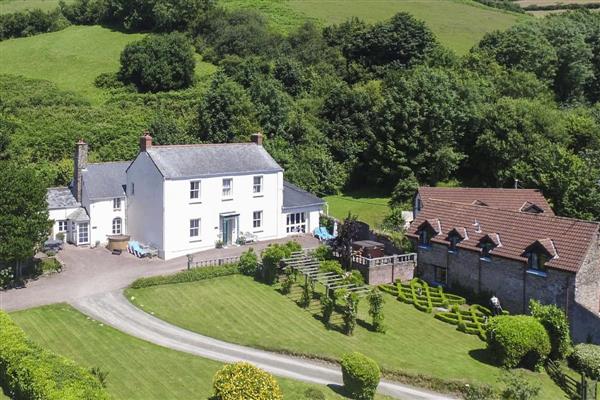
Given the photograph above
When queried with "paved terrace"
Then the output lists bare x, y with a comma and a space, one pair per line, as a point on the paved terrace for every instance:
87, 272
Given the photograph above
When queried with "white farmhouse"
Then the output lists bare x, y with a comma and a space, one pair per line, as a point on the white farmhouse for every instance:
182, 199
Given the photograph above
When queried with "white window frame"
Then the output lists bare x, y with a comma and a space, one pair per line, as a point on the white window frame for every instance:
227, 190
296, 222
80, 231
194, 190
117, 226
117, 204
257, 219
63, 225
194, 227
257, 188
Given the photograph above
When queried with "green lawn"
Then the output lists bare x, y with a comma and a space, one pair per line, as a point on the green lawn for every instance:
137, 369
369, 208
239, 310
458, 24
9, 6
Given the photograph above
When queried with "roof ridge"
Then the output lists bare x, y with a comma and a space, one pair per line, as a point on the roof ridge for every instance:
199, 145
109, 162
480, 188
520, 213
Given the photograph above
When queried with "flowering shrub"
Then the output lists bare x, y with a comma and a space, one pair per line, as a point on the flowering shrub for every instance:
245, 381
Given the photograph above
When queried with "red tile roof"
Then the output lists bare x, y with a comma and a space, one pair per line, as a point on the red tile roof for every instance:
507, 199
570, 238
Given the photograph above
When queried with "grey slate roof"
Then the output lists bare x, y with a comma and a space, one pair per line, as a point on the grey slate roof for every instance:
105, 180
191, 161
294, 197
60, 197
79, 215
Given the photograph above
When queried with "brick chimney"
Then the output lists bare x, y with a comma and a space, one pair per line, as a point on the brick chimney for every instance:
80, 161
145, 141
257, 138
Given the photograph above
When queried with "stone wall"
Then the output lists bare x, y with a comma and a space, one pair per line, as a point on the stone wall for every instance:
588, 279
387, 273
507, 279
585, 325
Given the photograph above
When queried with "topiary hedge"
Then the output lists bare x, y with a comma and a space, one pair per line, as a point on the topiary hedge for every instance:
518, 340
27, 371
361, 376
191, 275
245, 381
586, 359
557, 325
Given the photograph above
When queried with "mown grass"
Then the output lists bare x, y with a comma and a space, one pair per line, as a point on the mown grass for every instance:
370, 209
458, 24
136, 369
238, 309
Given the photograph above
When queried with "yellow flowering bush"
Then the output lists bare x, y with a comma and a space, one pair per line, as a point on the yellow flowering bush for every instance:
245, 381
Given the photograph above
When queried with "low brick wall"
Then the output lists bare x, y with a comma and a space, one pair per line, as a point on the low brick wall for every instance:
387, 273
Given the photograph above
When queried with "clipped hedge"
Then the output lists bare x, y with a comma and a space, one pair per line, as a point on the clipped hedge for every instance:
191, 275
518, 340
586, 359
27, 371
361, 376
245, 381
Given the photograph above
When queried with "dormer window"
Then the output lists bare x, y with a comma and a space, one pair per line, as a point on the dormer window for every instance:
455, 236
424, 238
537, 261
488, 243
454, 240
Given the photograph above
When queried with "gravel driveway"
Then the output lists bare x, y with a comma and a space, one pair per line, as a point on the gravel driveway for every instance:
115, 310
88, 272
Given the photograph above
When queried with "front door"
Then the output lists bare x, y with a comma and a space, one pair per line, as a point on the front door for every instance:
228, 230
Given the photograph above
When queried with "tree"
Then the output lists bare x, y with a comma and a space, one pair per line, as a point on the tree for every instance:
226, 113
347, 232
376, 309
523, 47
24, 223
158, 62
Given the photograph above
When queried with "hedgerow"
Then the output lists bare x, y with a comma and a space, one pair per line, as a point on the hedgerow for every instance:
518, 340
191, 275
586, 360
28, 371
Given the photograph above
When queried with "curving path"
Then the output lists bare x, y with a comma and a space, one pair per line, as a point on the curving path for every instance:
114, 309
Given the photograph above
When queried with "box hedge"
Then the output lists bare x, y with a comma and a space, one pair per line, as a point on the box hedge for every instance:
190, 275
518, 340
245, 381
586, 359
28, 371
361, 376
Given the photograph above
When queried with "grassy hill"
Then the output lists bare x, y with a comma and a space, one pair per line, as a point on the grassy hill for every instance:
8, 6
71, 58
458, 24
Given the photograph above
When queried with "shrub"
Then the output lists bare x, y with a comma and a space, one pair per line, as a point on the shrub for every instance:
361, 376
31, 22
271, 257
27, 371
556, 324
6, 276
314, 394
376, 309
108, 80
586, 360
518, 387
518, 340
248, 263
354, 277
477, 392
323, 253
245, 381
306, 295
350, 312
327, 306
191, 275
286, 286
158, 62
50, 264
331, 266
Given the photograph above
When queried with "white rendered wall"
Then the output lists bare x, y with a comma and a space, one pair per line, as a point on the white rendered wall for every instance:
179, 209
59, 215
145, 212
101, 214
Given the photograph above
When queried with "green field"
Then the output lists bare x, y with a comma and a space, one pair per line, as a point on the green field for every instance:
71, 58
458, 24
8, 6
137, 369
239, 310
369, 209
